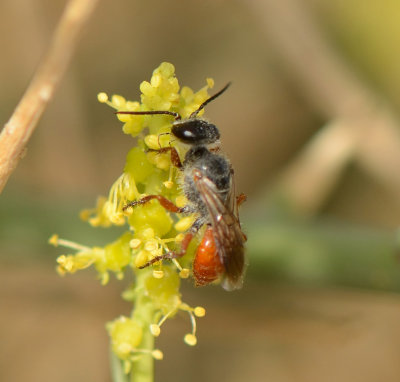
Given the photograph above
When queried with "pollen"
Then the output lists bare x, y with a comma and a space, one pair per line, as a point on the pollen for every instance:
190, 339
210, 83
158, 274
135, 243
54, 240
199, 311
184, 273
151, 245
155, 330
148, 233
157, 354
102, 97
168, 184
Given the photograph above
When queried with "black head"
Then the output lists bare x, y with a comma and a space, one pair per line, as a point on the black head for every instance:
195, 131
192, 131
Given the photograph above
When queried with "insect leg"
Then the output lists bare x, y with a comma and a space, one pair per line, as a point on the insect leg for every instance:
184, 245
172, 255
176, 161
240, 199
167, 204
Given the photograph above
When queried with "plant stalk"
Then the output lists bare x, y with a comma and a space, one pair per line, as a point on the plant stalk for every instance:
143, 368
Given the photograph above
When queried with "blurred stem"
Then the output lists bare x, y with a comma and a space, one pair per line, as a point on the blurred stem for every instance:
319, 166
337, 92
143, 368
117, 371
20, 126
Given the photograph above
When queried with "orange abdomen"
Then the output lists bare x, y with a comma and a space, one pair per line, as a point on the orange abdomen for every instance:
207, 266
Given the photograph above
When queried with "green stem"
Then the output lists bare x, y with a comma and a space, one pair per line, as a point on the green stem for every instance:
143, 368
117, 371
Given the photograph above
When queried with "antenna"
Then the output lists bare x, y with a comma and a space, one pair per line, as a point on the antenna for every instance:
177, 116
207, 101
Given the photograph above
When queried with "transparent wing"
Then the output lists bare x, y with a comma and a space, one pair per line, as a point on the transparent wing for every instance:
227, 232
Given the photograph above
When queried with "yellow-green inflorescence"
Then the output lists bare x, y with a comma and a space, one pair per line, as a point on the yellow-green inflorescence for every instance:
152, 231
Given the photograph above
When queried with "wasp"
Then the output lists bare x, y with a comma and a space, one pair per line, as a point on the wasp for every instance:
209, 188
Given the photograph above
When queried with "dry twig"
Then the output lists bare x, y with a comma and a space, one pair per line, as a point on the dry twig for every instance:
19, 128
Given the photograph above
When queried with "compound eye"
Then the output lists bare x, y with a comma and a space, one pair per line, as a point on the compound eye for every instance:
195, 132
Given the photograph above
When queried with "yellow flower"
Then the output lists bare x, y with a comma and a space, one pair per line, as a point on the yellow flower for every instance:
126, 335
153, 231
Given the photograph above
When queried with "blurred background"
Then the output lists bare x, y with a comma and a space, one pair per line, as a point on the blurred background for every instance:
311, 126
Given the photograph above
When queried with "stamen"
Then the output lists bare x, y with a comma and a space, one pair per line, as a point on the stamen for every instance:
155, 329
163, 244
164, 318
55, 240
193, 321
177, 265
123, 189
183, 272
190, 338
162, 241
169, 183
156, 353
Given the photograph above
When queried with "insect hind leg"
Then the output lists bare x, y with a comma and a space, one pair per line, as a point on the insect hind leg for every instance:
184, 246
167, 204
171, 255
